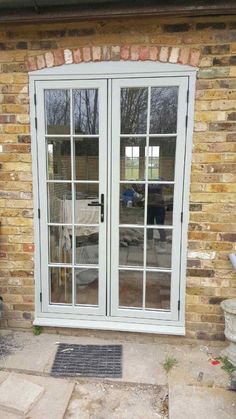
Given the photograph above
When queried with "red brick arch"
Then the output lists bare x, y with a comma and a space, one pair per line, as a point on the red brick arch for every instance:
166, 54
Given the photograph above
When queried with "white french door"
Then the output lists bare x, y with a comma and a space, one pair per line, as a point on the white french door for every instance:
148, 148
111, 159
72, 141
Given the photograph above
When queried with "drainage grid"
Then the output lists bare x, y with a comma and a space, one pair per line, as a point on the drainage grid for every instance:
88, 361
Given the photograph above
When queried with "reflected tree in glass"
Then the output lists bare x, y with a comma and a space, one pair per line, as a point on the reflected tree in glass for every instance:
85, 113
134, 110
163, 113
57, 102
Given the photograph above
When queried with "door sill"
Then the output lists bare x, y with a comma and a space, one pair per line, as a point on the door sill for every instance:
163, 329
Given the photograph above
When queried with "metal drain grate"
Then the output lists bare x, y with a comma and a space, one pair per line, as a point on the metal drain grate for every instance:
88, 361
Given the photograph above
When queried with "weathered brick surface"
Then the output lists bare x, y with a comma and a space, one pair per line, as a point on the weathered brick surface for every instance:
209, 43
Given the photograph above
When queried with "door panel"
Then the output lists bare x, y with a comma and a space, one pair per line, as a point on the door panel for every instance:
148, 139
140, 248
72, 141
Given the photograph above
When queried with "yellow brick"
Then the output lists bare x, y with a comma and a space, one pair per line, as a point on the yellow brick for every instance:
22, 119
209, 116
14, 108
16, 129
223, 104
17, 166
22, 203
17, 221
21, 78
6, 78
232, 72
212, 94
17, 186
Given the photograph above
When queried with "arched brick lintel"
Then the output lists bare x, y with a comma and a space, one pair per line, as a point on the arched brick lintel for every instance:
182, 55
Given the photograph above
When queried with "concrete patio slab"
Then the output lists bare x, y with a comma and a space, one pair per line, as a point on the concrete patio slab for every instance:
18, 394
201, 403
116, 401
55, 400
52, 403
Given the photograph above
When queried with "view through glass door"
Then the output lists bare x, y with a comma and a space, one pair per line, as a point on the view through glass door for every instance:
147, 131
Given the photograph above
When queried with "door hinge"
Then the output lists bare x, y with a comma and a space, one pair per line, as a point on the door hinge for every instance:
182, 216
187, 96
179, 305
186, 121
36, 123
40, 297
39, 213
35, 100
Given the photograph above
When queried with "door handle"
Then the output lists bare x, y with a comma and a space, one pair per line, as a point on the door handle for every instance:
99, 204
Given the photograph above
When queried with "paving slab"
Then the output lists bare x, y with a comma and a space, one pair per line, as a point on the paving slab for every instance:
194, 366
56, 397
201, 403
18, 394
52, 403
116, 401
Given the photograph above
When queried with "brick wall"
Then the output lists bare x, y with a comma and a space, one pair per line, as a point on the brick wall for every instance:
212, 228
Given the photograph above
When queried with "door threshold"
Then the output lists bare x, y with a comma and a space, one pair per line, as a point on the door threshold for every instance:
162, 329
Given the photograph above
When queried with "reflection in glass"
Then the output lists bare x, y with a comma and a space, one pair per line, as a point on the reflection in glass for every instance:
163, 113
61, 285
60, 244
86, 281
85, 194
86, 158
161, 158
59, 159
131, 246
160, 204
130, 289
134, 110
86, 245
132, 203
85, 115
159, 247
158, 290
59, 203
57, 103
132, 158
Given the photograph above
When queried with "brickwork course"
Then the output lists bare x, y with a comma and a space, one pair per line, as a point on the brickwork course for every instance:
208, 43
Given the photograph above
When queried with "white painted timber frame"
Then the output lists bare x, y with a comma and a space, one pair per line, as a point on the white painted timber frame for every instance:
108, 71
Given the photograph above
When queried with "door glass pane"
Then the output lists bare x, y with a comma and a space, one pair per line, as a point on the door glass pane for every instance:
57, 103
160, 204
134, 110
132, 203
131, 246
86, 158
59, 159
158, 290
86, 193
161, 158
86, 245
131, 289
59, 200
60, 244
85, 111
61, 285
163, 112
86, 281
159, 247
132, 158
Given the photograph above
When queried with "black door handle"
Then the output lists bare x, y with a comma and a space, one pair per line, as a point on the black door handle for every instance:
99, 204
